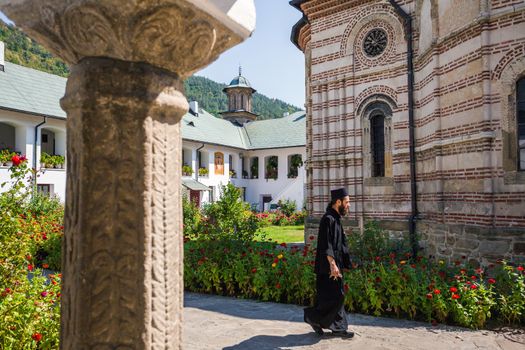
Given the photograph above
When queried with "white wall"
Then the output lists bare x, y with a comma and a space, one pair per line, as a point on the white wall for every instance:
24, 143
281, 188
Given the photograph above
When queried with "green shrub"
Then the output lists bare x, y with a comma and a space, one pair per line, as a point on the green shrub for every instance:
30, 313
374, 241
191, 219
229, 218
287, 207
30, 235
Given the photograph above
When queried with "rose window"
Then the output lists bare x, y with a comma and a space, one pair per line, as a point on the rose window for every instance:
375, 42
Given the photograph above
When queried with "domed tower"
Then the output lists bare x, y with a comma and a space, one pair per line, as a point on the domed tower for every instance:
239, 101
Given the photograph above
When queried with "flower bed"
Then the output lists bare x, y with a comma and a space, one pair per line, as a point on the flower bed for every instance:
278, 218
384, 286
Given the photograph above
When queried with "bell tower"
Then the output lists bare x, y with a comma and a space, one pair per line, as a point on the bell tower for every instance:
239, 94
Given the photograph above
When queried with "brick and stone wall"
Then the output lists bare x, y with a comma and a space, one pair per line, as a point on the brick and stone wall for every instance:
468, 56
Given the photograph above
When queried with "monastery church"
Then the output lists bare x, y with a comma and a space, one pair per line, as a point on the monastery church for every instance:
418, 108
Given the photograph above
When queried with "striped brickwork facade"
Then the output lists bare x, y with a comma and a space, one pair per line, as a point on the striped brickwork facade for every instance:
468, 56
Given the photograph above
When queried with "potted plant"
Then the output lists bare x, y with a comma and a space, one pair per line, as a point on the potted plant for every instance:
296, 162
58, 161
5, 157
203, 172
271, 168
186, 170
233, 174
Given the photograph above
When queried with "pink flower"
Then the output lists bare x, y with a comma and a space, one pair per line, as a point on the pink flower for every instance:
43, 294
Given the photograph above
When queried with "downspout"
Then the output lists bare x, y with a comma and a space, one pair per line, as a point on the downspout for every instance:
198, 162
411, 126
34, 152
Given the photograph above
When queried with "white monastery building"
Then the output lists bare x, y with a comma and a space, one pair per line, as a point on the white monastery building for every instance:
262, 157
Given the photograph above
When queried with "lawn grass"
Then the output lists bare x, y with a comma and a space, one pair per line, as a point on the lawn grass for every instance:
287, 234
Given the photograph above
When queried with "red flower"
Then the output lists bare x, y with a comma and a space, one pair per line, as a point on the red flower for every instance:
254, 270
283, 244
37, 337
455, 296
429, 296
520, 268
311, 237
437, 291
30, 267
453, 289
16, 160
278, 285
378, 258
473, 286
45, 266
473, 277
43, 294
491, 281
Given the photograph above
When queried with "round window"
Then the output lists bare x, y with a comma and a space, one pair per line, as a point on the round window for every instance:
375, 42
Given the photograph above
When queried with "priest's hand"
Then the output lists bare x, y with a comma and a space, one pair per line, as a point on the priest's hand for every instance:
334, 271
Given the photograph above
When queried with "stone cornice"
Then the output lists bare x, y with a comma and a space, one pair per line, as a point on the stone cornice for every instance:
170, 34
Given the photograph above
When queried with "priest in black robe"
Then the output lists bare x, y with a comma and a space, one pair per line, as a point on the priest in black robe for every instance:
331, 258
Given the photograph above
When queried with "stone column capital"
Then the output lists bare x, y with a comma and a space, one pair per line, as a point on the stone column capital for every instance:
180, 36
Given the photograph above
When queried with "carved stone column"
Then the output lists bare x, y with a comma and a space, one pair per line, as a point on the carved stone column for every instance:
122, 252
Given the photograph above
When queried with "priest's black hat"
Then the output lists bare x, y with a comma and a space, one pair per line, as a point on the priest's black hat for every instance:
338, 193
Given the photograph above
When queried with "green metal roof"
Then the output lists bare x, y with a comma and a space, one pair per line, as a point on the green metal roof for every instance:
209, 129
289, 131
240, 81
31, 91
194, 185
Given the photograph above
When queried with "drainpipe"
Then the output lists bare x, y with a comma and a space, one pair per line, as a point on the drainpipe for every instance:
34, 151
411, 126
198, 162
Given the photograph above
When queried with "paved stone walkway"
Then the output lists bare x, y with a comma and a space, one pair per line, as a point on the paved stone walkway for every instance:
212, 322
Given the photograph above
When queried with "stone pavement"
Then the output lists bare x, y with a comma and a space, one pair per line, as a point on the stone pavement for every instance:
212, 322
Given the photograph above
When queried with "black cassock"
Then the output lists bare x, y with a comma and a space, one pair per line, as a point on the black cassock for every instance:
328, 310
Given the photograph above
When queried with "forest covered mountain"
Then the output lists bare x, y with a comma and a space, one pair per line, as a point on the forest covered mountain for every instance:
24, 51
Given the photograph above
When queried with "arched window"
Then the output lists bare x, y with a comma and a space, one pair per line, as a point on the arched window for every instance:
520, 116
377, 139
377, 143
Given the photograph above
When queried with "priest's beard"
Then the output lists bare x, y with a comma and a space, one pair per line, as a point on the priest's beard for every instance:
342, 210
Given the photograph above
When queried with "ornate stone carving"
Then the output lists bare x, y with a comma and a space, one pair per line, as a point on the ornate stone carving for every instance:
123, 190
170, 34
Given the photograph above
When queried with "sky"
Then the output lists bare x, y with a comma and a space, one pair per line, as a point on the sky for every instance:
269, 60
